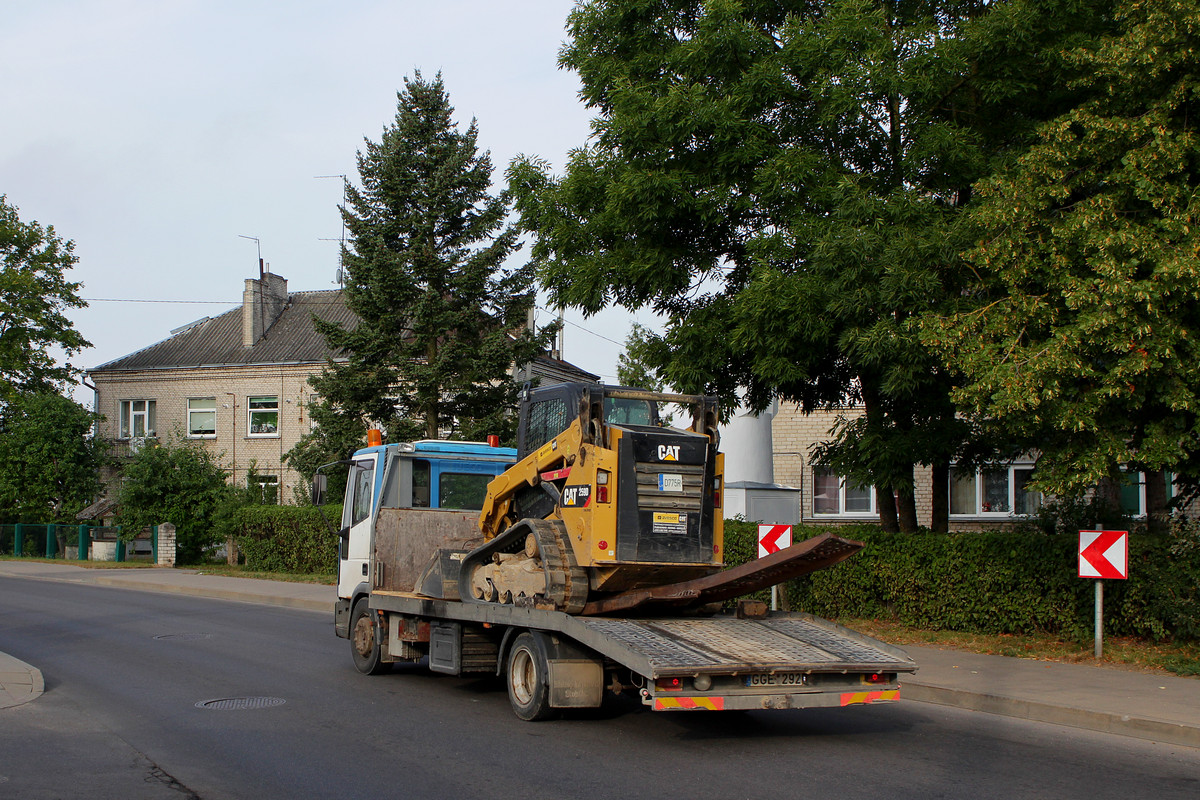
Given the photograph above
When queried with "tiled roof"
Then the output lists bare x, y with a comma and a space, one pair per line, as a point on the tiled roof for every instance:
293, 339
217, 341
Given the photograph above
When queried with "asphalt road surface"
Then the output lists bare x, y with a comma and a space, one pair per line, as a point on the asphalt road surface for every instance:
161, 696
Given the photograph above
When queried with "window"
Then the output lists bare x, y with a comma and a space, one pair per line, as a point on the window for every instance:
363, 475
137, 419
266, 488
202, 417
833, 494
263, 416
547, 419
993, 490
622, 411
463, 490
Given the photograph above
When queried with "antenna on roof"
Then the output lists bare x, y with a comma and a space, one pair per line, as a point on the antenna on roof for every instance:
341, 270
260, 261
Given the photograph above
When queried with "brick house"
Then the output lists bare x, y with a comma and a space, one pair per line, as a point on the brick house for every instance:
237, 383
987, 498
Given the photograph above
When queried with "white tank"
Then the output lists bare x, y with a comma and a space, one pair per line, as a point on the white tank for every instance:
746, 442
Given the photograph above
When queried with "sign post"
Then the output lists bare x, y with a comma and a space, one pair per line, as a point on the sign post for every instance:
1103, 555
772, 539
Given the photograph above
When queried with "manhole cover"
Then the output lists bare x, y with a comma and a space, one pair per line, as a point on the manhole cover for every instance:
240, 703
184, 637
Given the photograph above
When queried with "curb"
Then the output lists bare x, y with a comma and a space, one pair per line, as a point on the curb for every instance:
219, 594
1099, 721
19, 682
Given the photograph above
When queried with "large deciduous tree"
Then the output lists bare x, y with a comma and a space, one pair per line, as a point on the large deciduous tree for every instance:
34, 296
1081, 331
49, 463
179, 483
443, 316
784, 182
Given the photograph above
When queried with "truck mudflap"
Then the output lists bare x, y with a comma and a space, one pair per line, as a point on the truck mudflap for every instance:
811, 555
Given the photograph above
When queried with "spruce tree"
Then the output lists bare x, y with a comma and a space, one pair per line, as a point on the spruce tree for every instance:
442, 315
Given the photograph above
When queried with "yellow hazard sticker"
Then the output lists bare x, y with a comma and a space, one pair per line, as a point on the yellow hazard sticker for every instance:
851, 698
689, 704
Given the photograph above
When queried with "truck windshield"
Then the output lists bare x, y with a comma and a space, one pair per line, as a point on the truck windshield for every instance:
628, 412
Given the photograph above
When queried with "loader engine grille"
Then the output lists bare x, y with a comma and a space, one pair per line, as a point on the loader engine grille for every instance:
665, 514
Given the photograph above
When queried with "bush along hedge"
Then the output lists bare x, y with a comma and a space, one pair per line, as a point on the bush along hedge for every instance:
997, 582
288, 538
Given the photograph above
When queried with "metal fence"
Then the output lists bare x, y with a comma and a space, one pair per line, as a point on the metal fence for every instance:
72, 542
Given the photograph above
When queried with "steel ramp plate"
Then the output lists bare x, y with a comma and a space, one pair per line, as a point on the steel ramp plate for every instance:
726, 645
802, 558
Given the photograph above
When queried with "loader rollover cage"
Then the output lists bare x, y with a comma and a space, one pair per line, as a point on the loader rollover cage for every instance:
722, 662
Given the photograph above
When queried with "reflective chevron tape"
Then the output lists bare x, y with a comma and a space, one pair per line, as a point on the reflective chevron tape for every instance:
850, 698
689, 704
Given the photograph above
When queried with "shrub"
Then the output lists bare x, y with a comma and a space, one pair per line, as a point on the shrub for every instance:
997, 582
287, 538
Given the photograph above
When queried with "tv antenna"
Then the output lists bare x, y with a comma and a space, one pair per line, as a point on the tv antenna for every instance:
341, 271
259, 245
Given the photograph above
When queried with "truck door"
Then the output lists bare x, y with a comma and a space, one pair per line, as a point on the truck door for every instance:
358, 521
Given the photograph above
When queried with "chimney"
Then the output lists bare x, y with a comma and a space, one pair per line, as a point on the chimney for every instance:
263, 300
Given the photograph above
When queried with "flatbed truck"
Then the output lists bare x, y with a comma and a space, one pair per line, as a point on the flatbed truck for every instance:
411, 521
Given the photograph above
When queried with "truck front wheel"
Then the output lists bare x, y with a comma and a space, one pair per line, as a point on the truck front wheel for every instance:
367, 656
528, 679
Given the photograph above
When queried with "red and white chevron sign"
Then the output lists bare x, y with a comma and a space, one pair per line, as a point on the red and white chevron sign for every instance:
773, 538
1104, 554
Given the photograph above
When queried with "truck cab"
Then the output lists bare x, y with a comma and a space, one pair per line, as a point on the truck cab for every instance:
429, 474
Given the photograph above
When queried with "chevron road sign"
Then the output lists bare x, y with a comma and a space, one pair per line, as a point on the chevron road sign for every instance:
773, 538
1104, 554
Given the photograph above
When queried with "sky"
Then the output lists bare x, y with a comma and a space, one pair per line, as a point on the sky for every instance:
157, 134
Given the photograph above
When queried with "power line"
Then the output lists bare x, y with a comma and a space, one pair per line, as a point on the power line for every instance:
131, 300
585, 330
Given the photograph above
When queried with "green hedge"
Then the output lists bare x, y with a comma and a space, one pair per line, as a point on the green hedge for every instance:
288, 538
997, 582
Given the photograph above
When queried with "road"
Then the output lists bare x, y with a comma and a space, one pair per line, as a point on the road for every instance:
128, 675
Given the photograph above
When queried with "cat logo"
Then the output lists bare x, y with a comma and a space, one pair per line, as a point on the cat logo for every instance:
668, 452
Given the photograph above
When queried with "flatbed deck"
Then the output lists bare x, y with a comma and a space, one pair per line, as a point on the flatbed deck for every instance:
679, 647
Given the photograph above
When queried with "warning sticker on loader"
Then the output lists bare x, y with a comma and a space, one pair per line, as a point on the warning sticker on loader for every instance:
669, 523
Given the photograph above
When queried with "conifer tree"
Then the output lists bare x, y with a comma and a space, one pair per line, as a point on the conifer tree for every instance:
442, 315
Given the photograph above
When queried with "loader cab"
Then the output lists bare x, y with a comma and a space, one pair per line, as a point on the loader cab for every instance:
547, 411
431, 474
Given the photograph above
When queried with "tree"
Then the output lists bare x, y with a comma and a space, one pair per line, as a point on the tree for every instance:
442, 318
784, 182
34, 294
49, 462
1080, 334
177, 483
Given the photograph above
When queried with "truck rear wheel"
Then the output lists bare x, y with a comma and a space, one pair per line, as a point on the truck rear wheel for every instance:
367, 656
528, 679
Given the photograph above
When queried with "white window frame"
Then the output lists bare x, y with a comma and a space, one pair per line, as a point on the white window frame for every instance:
251, 411
191, 433
262, 480
127, 415
978, 511
841, 499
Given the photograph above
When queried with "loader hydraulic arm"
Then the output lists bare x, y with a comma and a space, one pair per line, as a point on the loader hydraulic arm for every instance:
547, 462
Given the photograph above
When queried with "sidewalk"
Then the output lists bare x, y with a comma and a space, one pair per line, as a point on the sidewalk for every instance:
1159, 707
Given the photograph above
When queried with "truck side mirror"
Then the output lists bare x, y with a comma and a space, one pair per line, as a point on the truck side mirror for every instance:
319, 483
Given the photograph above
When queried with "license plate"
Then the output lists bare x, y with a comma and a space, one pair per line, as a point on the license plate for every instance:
668, 482
778, 679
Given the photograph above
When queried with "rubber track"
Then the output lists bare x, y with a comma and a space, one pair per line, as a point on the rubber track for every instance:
566, 581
